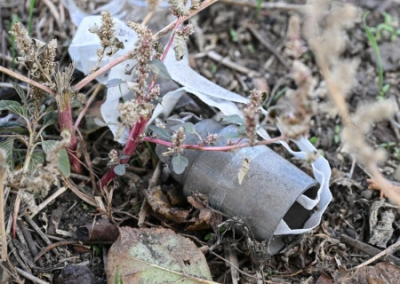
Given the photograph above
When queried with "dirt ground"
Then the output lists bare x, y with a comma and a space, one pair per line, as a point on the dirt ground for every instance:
256, 42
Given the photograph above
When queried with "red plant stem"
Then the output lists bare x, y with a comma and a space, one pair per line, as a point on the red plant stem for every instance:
65, 122
214, 148
171, 39
128, 150
140, 126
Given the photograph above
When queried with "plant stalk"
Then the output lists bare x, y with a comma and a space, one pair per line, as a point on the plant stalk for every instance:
128, 150
214, 148
65, 122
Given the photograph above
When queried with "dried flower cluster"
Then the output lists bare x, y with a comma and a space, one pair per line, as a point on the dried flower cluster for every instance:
211, 138
363, 119
132, 111
195, 4
144, 53
295, 46
140, 107
296, 121
181, 36
178, 139
109, 42
178, 7
113, 156
37, 56
39, 181
324, 31
251, 115
153, 4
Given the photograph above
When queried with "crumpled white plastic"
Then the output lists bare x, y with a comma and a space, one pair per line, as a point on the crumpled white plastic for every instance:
83, 52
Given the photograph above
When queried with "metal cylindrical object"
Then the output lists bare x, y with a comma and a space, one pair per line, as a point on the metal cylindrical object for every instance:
268, 192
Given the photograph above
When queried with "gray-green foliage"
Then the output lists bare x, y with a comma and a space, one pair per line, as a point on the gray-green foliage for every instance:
29, 130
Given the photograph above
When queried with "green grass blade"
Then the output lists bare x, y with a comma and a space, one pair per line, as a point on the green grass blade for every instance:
31, 6
375, 47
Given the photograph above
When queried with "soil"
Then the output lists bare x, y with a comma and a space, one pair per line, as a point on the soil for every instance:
321, 256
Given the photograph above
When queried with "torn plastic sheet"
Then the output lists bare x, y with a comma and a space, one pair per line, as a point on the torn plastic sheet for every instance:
83, 52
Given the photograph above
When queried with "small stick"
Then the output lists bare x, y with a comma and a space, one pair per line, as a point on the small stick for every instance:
26, 80
80, 177
54, 245
386, 252
145, 206
85, 197
267, 45
228, 63
18, 258
47, 201
3, 167
266, 5
88, 103
30, 276
370, 250
28, 239
214, 148
40, 233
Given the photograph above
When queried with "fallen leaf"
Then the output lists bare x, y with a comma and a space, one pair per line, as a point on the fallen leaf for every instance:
383, 272
155, 256
160, 204
206, 218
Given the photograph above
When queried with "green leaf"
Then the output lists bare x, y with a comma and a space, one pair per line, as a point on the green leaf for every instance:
13, 127
14, 107
120, 169
179, 163
114, 82
232, 119
63, 164
36, 159
230, 135
168, 258
160, 69
8, 146
375, 48
21, 93
160, 132
189, 127
49, 119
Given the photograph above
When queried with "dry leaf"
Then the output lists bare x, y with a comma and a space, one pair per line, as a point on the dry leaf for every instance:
155, 256
206, 218
383, 272
160, 204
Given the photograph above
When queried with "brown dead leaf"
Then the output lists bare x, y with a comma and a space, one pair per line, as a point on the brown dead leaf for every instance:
341, 178
206, 218
324, 279
155, 256
381, 273
160, 204
101, 230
